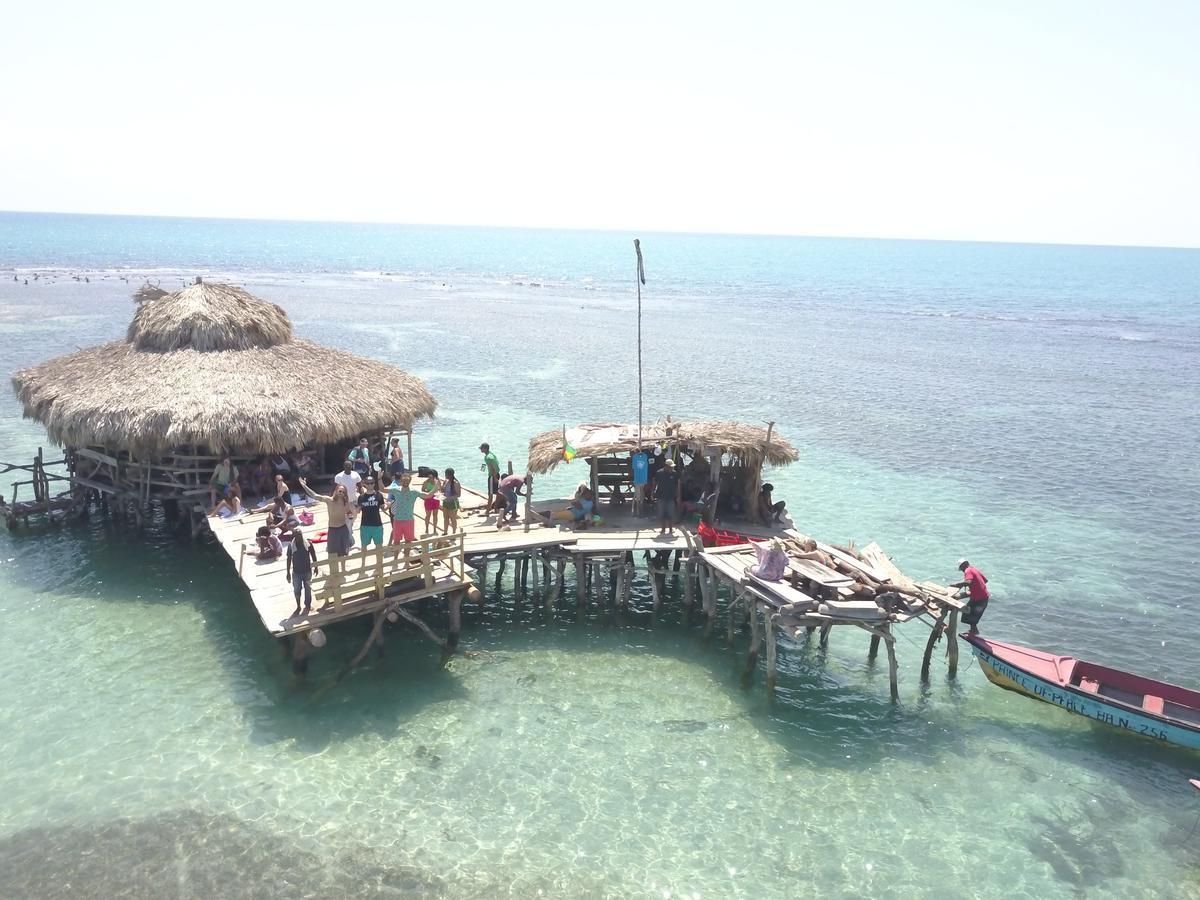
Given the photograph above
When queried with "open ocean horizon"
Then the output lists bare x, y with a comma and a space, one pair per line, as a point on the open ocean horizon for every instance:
1031, 406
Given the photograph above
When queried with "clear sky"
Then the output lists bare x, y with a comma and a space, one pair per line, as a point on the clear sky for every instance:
1028, 120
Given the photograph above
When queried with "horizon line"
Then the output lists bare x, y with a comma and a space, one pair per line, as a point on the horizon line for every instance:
582, 228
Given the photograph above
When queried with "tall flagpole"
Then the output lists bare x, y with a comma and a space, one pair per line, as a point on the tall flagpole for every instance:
639, 280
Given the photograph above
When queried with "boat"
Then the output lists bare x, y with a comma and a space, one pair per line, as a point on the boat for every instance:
1195, 783
1155, 709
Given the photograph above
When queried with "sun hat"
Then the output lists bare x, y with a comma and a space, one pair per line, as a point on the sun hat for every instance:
963, 562
669, 463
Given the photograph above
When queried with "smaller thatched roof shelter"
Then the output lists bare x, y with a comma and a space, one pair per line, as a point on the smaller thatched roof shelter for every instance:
748, 442
214, 366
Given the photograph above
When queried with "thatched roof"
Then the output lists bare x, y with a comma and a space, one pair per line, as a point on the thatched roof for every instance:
214, 366
746, 441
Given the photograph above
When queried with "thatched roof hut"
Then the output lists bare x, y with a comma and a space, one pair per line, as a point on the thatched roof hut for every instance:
214, 366
749, 442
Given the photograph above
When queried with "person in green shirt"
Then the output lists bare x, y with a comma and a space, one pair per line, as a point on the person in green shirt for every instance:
493, 472
401, 500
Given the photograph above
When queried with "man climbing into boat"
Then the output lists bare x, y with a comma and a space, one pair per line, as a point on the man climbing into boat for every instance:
977, 595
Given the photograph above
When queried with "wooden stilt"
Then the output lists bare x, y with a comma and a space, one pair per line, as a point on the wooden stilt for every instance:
655, 590
455, 603
730, 613
952, 649
482, 570
893, 675
689, 585
755, 639
934, 634
873, 650
825, 629
580, 580
769, 634
372, 636
421, 626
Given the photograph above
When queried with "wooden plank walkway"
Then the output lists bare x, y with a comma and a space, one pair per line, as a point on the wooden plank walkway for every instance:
271, 591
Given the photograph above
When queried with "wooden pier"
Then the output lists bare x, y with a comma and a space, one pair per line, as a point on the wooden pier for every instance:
449, 567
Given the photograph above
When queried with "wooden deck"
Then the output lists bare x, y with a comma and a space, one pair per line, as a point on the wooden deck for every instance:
481, 538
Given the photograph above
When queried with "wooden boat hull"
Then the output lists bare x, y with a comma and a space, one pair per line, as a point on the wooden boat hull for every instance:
1016, 678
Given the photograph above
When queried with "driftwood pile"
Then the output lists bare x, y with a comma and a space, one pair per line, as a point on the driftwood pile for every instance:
873, 575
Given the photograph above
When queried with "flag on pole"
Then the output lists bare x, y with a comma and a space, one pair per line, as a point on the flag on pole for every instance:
568, 451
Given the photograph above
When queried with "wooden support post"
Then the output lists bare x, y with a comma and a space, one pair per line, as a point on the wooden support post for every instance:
769, 634
456, 599
689, 584
374, 635
421, 626
952, 649
873, 651
729, 616
934, 634
755, 638
893, 676
580, 580
825, 629
482, 570
678, 561
655, 592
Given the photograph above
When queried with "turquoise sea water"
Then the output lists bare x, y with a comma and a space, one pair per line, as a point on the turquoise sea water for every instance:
1033, 407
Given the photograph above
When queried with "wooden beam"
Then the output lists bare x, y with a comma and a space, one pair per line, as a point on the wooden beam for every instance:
952, 649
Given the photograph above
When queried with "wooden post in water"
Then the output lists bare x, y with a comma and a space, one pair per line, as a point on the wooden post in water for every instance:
455, 620
580, 579
755, 639
893, 676
873, 650
952, 649
824, 643
769, 627
730, 613
934, 634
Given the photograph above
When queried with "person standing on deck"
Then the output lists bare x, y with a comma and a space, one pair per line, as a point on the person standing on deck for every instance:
977, 595
666, 489
300, 568
224, 474
493, 475
360, 457
370, 507
403, 500
338, 540
396, 459
348, 478
451, 499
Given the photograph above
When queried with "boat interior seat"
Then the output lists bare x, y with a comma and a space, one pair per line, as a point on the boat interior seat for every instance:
1152, 704
1091, 685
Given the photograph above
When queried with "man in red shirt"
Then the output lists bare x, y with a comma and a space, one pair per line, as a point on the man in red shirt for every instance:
977, 595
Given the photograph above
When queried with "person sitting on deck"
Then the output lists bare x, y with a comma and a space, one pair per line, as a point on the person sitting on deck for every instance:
772, 560
261, 479
583, 504
231, 503
281, 516
224, 474
268, 544
300, 568
360, 457
977, 595
281, 488
338, 539
770, 510
666, 490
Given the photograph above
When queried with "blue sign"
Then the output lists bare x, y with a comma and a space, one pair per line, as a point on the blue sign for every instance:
641, 468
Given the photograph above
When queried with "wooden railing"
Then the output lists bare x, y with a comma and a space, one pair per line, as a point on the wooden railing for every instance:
375, 569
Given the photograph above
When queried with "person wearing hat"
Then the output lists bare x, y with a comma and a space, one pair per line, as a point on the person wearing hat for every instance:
770, 510
977, 595
666, 490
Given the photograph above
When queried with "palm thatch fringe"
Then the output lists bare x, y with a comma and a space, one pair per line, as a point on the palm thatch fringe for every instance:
746, 441
214, 366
